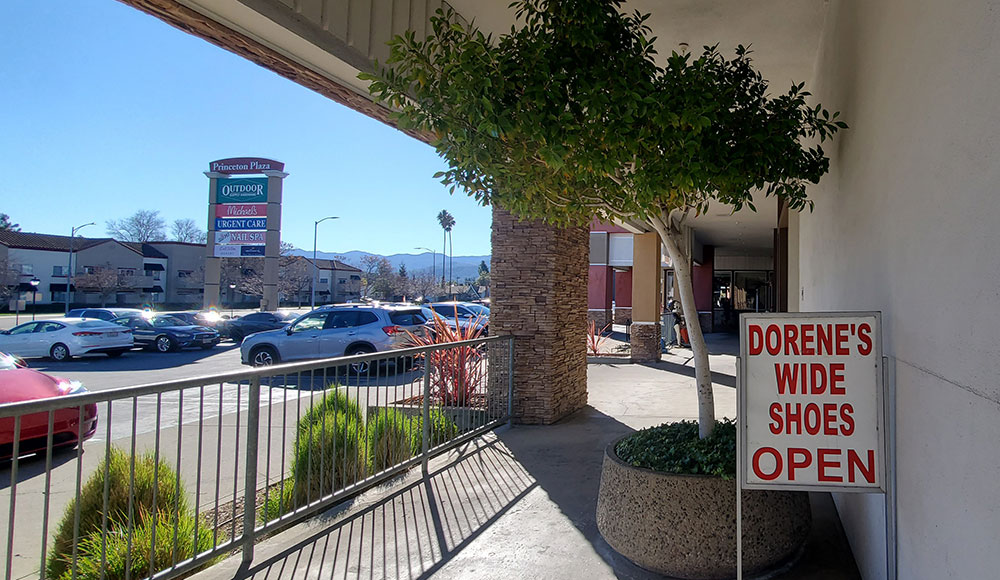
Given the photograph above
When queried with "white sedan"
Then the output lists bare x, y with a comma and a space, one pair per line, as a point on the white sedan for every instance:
63, 338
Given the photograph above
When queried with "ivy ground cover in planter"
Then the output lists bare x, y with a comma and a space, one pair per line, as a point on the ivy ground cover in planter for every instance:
668, 503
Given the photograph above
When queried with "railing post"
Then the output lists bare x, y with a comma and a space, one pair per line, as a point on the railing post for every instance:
250, 487
510, 381
425, 440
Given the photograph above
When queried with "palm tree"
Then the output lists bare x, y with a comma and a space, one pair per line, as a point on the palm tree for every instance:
447, 222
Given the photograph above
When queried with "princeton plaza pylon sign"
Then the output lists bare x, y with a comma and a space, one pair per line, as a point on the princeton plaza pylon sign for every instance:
244, 220
811, 410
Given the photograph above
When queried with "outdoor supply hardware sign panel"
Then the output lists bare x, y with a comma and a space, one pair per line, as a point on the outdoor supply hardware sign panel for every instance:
811, 402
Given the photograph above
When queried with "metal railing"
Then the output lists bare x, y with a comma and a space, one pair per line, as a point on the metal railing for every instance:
175, 475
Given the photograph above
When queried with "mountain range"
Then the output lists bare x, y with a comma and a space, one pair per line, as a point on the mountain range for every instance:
416, 264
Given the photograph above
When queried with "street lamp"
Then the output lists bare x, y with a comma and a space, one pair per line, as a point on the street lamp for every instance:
312, 294
433, 261
69, 267
34, 292
232, 288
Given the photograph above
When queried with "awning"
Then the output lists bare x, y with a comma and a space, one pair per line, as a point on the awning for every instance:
153, 289
25, 287
61, 287
152, 267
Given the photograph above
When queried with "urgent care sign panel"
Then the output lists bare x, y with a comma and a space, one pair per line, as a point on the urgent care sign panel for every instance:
811, 401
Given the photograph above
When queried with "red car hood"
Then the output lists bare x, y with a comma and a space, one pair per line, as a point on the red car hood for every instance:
28, 384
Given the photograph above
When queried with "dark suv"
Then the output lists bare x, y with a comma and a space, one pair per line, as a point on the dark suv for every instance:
165, 333
239, 328
335, 331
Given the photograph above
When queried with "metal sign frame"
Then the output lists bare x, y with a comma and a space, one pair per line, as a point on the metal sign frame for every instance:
886, 411
742, 427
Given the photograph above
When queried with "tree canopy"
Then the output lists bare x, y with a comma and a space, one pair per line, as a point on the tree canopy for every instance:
571, 117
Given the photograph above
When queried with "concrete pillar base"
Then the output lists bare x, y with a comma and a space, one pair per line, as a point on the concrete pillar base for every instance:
644, 338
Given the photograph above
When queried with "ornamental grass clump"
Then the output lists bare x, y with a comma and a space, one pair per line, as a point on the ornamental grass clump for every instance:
676, 448
156, 489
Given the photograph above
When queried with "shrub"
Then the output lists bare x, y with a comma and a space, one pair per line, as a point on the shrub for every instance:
118, 565
118, 467
331, 399
278, 502
456, 372
676, 448
443, 429
328, 455
393, 437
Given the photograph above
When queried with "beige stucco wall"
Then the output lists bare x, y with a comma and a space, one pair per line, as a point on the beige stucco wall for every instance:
908, 223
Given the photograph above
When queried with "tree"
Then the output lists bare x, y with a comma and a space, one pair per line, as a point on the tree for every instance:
186, 230
6, 224
295, 275
447, 222
484, 274
106, 281
570, 117
10, 276
142, 226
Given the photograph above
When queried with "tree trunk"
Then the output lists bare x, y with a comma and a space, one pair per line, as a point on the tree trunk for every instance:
702, 371
444, 254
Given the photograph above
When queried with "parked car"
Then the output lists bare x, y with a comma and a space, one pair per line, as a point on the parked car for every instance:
209, 318
239, 328
64, 338
463, 313
17, 384
107, 314
166, 333
335, 331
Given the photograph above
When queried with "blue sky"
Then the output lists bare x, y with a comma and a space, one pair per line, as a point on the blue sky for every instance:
105, 110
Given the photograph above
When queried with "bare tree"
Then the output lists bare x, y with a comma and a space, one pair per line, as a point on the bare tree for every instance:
294, 276
10, 275
106, 281
142, 226
186, 230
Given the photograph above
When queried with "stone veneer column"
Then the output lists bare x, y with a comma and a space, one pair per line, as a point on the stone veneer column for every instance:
644, 337
538, 279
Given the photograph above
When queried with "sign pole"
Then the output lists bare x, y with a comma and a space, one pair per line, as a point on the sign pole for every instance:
891, 540
739, 477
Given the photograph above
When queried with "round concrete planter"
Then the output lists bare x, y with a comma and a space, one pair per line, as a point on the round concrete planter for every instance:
684, 526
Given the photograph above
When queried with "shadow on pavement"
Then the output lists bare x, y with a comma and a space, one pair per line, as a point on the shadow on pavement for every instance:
136, 360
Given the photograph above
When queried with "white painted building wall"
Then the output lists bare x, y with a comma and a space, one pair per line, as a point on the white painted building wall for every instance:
42, 263
908, 222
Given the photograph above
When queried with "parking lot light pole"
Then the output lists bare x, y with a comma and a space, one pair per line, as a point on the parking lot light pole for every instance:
34, 292
312, 293
69, 267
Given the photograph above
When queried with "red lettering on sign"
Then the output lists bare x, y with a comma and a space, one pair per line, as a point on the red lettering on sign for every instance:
817, 376
793, 464
829, 419
772, 332
807, 340
866, 469
865, 336
787, 378
824, 339
842, 348
756, 336
775, 413
847, 417
822, 464
813, 418
791, 335
755, 463
837, 379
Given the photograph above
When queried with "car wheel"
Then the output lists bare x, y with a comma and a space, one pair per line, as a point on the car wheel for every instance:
115, 353
59, 352
361, 368
164, 344
264, 356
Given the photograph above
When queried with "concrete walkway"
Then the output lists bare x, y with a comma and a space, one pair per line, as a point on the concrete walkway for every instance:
520, 502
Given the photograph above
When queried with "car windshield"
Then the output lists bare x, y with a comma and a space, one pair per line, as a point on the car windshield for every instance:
162, 321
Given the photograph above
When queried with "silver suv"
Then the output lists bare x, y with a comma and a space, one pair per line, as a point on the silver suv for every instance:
334, 331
